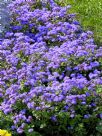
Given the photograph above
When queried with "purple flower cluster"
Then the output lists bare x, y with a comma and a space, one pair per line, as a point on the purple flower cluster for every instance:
47, 64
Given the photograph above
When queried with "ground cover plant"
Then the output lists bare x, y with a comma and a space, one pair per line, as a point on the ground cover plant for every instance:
50, 73
89, 14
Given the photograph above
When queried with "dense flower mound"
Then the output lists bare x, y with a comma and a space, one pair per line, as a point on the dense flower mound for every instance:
49, 71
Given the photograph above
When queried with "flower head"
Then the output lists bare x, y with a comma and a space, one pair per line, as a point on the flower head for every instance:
4, 133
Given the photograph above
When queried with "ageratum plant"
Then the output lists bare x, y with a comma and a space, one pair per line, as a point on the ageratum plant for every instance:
49, 73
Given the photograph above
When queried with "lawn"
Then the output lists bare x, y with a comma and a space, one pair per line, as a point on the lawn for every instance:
89, 13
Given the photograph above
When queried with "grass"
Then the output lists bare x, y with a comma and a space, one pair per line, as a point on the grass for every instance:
89, 13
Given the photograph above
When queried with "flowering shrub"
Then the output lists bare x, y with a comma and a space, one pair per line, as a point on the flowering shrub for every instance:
49, 72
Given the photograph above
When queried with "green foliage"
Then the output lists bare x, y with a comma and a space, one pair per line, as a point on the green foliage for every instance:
5, 121
99, 127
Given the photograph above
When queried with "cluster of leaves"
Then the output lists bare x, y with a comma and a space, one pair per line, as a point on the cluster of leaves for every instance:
49, 73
